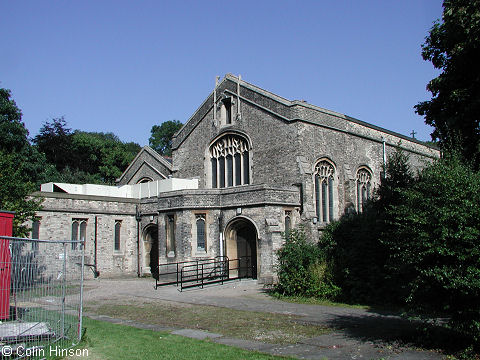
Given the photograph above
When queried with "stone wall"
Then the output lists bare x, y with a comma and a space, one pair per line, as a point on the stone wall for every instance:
262, 206
287, 139
148, 164
100, 214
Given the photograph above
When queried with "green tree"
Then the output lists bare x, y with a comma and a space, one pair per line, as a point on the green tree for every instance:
83, 157
434, 240
161, 136
354, 248
15, 191
55, 141
13, 134
18, 166
102, 154
453, 46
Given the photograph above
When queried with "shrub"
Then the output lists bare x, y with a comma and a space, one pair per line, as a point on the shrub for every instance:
435, 244
353, 245
300, 269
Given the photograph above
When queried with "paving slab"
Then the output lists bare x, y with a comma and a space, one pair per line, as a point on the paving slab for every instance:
196, 334
246, 344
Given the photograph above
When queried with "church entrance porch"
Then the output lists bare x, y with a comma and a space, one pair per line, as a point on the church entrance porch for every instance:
241, 243
150, 250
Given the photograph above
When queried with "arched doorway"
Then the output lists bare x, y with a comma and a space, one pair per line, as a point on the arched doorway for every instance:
241, 244
150, 250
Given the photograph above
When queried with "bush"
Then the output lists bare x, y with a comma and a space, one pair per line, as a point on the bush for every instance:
300, 269
358, 258
354, 248
435, 244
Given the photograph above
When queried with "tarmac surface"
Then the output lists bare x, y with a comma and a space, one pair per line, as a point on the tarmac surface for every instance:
357, 334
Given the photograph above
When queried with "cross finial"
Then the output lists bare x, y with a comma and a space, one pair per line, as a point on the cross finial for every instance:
413, 133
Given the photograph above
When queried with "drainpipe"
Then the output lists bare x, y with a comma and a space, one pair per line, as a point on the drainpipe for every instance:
220, 225
138, 218
384, 158
239, 115
95, 246
215, 99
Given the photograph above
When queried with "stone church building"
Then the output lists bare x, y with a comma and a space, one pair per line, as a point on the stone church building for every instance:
247, 166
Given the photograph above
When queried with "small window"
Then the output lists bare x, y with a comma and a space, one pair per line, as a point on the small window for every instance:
364, 180
35, 234
79, 232
116, 241
201, 233
170, 230
288, 221
227, 103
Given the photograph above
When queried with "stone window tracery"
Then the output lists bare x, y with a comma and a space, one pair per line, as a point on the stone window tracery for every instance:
230, 163
364, 181
324, 183
79, 231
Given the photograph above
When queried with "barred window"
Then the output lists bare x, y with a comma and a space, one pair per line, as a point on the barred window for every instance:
364, 181
324, 186
230, 163
201, 233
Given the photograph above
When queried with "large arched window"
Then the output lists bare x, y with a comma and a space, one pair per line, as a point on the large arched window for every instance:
230, 162
324, 183
364, 185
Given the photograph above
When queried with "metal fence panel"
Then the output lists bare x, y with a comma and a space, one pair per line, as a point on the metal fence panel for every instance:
41, 285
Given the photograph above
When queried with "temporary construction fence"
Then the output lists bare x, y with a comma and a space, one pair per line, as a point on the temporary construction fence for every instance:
41, 295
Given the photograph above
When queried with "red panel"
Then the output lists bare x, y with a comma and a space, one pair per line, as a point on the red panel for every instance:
5, 264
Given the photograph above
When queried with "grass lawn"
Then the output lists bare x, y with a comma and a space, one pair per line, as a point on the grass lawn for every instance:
106, 341
249, 325
316, 301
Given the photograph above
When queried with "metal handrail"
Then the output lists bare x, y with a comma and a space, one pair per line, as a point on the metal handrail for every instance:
200, 272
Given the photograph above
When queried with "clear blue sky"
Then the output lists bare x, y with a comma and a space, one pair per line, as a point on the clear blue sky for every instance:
123, 66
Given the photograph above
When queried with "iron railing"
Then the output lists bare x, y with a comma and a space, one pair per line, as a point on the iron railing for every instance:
198, 273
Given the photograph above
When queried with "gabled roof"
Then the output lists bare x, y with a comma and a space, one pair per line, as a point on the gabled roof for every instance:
147, 150
284, 109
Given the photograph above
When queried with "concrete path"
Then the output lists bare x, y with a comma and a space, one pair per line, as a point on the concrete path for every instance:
361, 334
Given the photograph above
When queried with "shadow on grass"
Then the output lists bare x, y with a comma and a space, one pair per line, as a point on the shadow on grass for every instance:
387, 329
